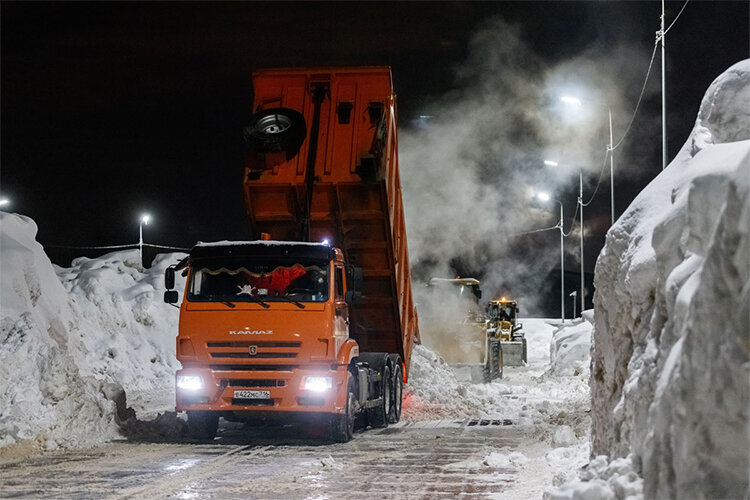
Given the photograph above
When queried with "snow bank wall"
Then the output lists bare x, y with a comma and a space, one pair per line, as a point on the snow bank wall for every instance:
670, 373
44, 397
70, 342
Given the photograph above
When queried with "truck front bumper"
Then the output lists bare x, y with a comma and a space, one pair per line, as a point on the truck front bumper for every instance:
235, 390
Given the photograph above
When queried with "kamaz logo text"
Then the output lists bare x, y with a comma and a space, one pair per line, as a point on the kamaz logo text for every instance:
250, 332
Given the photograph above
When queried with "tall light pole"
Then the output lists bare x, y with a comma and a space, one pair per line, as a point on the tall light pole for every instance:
546, 197
144, 222
662, 35
550, 163
610, 148
580, 202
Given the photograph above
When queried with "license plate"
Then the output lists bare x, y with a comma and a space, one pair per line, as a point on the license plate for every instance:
252, 394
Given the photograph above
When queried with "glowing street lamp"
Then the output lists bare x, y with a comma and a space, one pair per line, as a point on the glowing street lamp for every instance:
577, 102
4, 202
144, 222
545, 197
580, 203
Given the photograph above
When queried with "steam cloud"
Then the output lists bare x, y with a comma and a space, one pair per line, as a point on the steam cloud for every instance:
469, 169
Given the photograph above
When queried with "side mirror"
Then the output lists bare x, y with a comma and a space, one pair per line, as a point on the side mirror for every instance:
352, 297
171, 296
169, 278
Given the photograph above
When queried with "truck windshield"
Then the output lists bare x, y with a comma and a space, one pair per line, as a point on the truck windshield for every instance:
258, 281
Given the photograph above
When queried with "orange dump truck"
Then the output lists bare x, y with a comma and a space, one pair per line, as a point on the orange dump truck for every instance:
315, 319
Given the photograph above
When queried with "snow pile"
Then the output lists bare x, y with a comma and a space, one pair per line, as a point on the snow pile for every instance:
129, 332
525, 394
571, 346
68, 349
44, 396
549, 408
603, 480
670, 374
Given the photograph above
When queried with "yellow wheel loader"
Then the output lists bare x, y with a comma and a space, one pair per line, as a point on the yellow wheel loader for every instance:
502, 324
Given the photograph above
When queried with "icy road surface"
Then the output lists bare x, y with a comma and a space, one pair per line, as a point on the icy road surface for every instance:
418, 460
512, 438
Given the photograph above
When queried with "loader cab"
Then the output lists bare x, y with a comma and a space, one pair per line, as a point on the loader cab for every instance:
502, 310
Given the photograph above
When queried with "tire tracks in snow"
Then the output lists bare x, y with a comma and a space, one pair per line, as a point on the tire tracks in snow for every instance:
180, 480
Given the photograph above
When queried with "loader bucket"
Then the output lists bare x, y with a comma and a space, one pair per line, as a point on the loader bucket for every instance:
457, 343
514, 352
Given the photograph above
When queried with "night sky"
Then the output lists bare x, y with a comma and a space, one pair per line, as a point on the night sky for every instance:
113, 109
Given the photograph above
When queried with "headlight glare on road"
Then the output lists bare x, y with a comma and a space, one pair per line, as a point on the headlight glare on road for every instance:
189, 382
318, 384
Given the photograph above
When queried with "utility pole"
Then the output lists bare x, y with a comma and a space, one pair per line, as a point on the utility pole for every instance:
611, 169
580, 201
562, 268
662, 35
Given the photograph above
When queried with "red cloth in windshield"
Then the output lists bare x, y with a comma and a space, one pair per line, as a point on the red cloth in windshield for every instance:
279, 279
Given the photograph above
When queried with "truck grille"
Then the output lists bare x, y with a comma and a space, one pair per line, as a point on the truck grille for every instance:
252, 402
262, 349
241, 382
248, 344
258, 355
250, 368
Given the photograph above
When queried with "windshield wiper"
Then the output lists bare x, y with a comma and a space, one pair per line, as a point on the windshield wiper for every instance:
258, 301
214, 298
284, 297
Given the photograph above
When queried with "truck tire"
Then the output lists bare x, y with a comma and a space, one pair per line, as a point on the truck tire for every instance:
276, 130
202, 425
377, 416
342, 426
397, 389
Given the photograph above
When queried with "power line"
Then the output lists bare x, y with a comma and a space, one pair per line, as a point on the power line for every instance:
678, 16
114, 247
640, 97
601, 174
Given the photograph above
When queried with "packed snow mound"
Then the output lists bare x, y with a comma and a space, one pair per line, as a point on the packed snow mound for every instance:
570, 348
129, 330
45, 397
523, 395
670, 376
72, 339
602, 480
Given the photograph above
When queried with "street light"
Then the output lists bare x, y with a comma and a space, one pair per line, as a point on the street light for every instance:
4, 202
545, 197
610, 148
580, 203
144, 221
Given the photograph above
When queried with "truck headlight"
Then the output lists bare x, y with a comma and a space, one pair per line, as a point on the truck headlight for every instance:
189, 382
318, 384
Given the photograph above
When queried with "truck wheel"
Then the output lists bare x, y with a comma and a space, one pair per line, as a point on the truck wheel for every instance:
397, 389
524, 356
378, 415
491, 369
276, 130
342, 426
497, 363
202, 425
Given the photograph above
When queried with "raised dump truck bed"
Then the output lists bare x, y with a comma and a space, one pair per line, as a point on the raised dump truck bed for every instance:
314, 319
356, 199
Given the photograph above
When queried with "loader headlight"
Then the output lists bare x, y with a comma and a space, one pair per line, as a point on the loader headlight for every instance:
189, 382
318, 384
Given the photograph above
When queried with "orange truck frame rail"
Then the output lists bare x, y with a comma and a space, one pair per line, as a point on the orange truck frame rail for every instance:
315, 319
